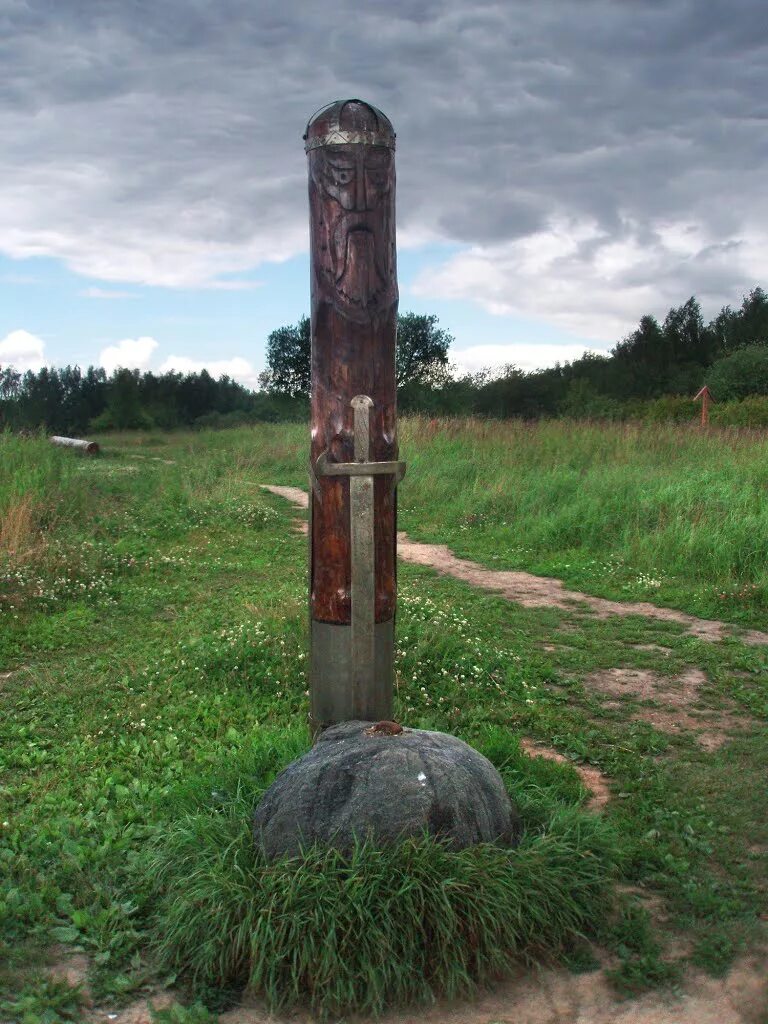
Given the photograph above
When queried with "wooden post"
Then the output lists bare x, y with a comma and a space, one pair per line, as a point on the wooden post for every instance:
706, 397
351, 153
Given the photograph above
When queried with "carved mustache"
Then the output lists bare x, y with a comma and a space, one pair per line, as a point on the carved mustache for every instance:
347, 226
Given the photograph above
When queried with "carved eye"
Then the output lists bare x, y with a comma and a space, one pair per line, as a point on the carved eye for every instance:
379, 157
342, 177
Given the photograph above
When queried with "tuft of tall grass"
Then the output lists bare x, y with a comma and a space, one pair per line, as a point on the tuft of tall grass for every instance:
17, 529
377, 928
32, 480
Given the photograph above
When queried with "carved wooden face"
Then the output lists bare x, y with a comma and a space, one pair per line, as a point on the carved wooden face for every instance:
357, 177
353, 227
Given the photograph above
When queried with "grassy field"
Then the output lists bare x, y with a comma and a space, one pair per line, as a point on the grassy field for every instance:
153, 646
655, 512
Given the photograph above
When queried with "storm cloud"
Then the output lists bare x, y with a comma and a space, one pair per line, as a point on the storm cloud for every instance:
592, 161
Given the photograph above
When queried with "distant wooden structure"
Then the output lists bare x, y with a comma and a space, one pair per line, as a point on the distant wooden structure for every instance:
74, 442
706, 397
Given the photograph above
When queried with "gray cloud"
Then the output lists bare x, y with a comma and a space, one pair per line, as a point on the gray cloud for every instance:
601, 159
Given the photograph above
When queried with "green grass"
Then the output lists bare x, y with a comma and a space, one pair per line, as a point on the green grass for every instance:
153, 617
663, 513
197, 1013
658, 512
44, 1000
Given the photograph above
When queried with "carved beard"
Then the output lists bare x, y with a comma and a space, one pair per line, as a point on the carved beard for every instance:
357, 266
359, 269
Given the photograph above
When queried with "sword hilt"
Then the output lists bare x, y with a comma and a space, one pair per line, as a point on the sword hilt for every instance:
362, 406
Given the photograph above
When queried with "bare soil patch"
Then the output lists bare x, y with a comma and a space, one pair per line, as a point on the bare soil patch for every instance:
592, 777
294, 494
542, 997
643, 684
538, 591
151, 458
72, 969
139, 1012
677, 699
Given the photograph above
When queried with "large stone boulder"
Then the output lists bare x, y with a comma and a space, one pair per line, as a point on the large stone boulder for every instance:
385, 783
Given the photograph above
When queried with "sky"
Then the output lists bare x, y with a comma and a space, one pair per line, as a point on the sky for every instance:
563, 169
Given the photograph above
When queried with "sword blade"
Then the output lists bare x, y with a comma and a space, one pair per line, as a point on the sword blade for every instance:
361, 509
363, 587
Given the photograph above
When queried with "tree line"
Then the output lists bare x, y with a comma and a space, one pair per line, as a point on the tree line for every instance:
656, 365
658, 360
72, 401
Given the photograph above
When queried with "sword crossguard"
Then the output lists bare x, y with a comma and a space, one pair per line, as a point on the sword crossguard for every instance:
324, 467
362, 406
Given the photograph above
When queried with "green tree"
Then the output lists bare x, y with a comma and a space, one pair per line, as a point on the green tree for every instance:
745, 326
288, 357
43, 395
10, 387
743, 373
643, 359
10, 381
92, 397
124, 409
422, 350
421, 355
690, 342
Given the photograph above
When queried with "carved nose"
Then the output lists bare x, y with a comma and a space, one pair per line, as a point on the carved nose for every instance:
360, 195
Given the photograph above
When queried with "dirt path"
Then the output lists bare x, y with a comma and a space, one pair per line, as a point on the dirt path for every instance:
592, 778
540, 591
151, 458
540, 997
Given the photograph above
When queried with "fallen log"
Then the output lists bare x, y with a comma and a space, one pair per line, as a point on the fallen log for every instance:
73, 442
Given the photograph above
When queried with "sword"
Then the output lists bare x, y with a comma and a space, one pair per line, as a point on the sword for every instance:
361, 475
